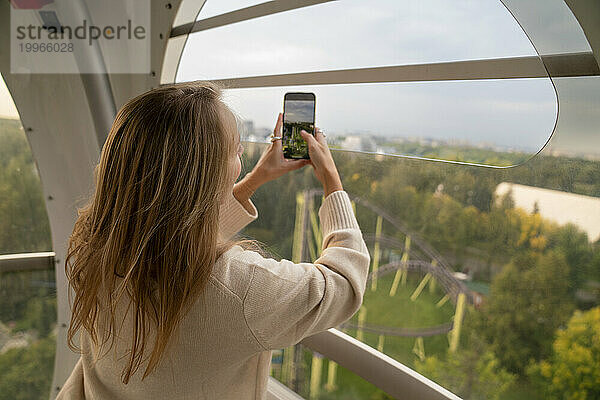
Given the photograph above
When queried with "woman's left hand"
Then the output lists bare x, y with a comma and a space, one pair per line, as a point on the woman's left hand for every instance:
271, 164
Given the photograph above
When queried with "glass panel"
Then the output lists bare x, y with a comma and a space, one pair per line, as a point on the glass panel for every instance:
576, 131
550, 24
27, 298
522, 271
354, 34
495, 122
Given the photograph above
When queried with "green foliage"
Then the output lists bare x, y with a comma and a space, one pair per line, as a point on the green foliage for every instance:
24, 225
40, 316
472, 373
574, 244
29, 299
529, 300
572, 372
26, 372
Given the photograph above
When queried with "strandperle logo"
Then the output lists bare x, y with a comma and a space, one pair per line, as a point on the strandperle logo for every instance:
66, 36
84, 31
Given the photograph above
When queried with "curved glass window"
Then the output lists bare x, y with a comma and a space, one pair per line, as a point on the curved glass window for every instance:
27, 291
495, 122
459, 113
353, 34
481, 279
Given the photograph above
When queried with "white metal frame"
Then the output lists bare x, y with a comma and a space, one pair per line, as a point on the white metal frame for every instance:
66, 117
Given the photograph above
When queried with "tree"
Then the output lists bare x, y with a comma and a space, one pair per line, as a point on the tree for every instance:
574, 244
26, 372
472, 373
528, 301
573, 370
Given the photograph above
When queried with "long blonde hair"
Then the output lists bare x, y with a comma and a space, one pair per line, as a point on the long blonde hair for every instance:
150, 230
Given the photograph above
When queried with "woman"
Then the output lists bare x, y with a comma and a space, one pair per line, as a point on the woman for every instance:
166, 303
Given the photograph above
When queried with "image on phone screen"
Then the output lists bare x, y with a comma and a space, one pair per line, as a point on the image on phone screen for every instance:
298, 114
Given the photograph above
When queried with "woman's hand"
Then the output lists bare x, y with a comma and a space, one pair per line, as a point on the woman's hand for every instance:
322, 161
271, 165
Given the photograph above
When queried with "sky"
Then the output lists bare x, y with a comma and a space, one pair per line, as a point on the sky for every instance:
519, 113
356, 33
7, 107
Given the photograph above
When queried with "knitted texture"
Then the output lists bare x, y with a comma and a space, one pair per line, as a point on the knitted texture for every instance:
250, 306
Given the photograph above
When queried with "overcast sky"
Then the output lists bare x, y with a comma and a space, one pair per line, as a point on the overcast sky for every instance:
358, 33
7, 107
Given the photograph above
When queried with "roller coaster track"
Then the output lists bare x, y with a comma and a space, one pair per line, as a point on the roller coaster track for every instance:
442, 271
423, 259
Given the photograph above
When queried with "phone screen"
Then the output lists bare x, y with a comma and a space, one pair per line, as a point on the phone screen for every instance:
298, 114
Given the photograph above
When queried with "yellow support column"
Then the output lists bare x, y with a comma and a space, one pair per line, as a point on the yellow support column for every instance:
421, 286
331, 375
442, 301
376, 253
405, 260
297, 245
315, 226
419, 348
432, 282
401, 272
315, 375
458, 317
380, 343
287, 369
362, 316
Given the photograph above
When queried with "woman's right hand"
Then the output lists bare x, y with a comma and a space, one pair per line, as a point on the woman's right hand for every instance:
322, 161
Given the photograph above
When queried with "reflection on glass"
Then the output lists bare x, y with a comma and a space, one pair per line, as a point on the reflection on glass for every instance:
492, 290
495, 122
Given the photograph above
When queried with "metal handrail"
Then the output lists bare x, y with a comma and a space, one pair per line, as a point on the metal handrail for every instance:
278, 391
22, 262
384, 372
375, 367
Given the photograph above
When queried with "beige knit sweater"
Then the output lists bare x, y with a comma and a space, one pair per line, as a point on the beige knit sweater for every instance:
252, 305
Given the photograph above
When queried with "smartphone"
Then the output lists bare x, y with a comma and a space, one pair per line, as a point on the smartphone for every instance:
298, 114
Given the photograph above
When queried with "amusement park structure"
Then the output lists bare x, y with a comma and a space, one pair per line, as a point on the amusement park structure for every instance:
413, 255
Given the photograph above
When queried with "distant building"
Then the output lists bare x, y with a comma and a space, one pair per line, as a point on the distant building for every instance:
263, 134
561, 207
246, 128
479, 290
358, 143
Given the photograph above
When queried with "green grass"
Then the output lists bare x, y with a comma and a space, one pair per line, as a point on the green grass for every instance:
397, 311
400, 311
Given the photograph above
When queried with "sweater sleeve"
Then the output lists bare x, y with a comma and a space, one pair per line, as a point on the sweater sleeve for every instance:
286, 302
233, 217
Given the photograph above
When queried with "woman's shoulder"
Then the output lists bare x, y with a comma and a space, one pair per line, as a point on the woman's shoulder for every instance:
233, 270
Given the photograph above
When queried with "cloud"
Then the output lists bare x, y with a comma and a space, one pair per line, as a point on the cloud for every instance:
354, 34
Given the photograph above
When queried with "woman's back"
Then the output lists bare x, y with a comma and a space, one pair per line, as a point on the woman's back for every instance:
250, 306
175, 307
